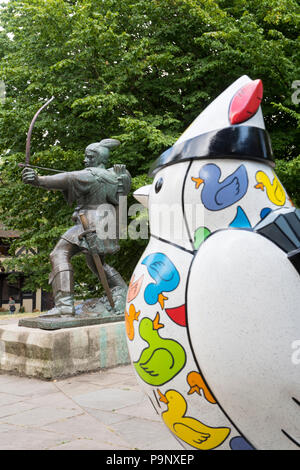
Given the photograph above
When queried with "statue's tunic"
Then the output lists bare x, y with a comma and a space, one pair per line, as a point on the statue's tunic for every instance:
91, 189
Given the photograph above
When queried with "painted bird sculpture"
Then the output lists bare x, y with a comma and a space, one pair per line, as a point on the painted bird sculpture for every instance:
222, 269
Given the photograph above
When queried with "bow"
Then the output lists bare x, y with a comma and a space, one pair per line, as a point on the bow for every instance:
28, 140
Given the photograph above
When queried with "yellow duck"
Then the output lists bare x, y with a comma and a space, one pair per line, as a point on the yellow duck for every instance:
275, 191
188, 429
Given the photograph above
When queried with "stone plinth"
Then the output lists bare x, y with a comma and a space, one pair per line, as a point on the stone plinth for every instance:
50, 354
67, 321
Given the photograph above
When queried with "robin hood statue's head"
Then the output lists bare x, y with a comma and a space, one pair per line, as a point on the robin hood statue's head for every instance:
98, 153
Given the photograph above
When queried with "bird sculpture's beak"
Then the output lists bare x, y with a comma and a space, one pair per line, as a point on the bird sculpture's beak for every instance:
197, 181
161, 300
142, 195
156, 324
162, 397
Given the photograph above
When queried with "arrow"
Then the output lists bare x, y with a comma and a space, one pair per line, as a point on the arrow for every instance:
23, 165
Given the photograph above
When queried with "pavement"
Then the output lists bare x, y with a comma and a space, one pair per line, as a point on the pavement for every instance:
103, 410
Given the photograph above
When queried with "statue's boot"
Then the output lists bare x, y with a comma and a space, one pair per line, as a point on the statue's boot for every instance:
62, 287
118, 289
114, 278
116, 283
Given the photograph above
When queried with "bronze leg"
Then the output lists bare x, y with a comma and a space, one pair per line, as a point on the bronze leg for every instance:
61, 277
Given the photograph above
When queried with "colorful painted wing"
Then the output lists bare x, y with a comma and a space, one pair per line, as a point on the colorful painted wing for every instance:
233, 188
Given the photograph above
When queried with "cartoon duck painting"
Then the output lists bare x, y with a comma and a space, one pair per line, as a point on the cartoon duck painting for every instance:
162, 359
234, 272
134, 288
217, 195
130, 317
275, 191
166, 277
190, 430
197, 384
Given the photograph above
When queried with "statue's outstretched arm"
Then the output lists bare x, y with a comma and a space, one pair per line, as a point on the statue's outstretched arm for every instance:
59, 181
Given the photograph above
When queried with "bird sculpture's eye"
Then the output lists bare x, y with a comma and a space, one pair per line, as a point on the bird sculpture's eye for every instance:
158, 185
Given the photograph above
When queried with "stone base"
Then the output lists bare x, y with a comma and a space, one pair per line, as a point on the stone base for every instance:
66, 321
62, 353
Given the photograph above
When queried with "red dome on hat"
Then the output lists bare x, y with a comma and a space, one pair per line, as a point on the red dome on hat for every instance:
246, 102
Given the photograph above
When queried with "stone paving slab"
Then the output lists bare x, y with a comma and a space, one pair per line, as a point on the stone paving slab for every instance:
23, 387
143, 408
87, 444
8, 399
15, 408
75, 388
4, 379
30, 439
142, 434
109, 399
103, 410
88, 428
56, 399
41, 416
106, 417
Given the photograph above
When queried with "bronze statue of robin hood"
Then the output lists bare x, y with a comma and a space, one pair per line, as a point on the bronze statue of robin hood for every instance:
90, 188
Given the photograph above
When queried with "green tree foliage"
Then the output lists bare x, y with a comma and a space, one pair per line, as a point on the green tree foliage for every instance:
136, 70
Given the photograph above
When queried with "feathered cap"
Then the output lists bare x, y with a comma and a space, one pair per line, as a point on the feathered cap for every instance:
103, 147
232, 126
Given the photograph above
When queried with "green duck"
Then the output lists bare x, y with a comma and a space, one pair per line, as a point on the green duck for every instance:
162, 359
